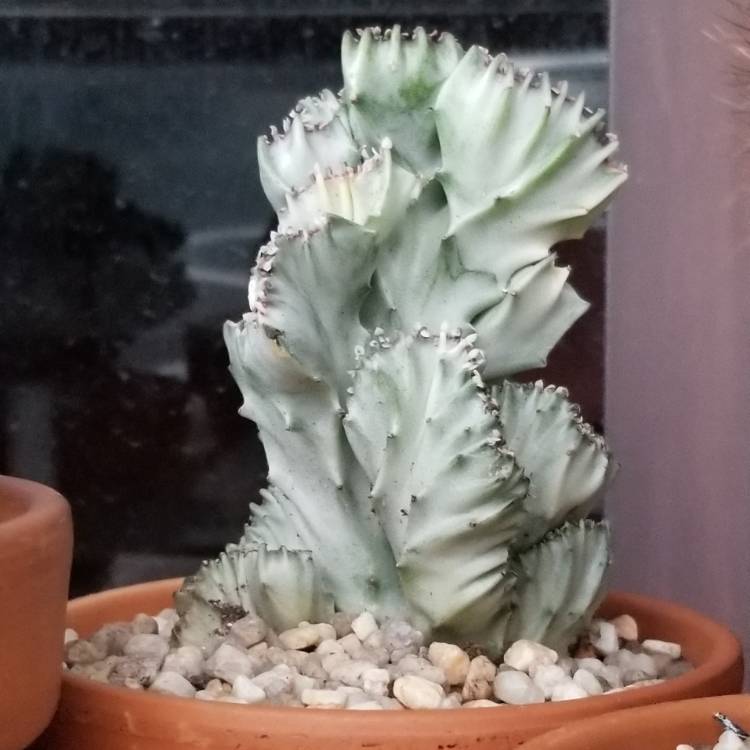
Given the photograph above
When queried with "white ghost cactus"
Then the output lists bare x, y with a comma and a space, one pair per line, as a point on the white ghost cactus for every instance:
411, 274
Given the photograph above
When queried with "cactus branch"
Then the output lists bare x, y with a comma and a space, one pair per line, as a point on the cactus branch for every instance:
411, 274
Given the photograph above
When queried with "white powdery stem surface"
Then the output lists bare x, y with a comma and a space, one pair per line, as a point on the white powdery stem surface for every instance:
355, 662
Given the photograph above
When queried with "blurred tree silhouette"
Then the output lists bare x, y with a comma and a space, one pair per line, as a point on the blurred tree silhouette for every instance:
84, 271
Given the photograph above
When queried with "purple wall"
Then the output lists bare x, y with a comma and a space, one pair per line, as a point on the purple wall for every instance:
678, 329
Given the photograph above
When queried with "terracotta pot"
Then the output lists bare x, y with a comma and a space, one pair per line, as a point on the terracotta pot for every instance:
95, 716
660, 727
36, 543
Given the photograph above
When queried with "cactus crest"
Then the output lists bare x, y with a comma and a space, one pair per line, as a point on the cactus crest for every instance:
410, 278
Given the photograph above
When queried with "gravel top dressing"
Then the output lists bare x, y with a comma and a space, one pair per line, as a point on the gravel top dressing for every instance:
358, 663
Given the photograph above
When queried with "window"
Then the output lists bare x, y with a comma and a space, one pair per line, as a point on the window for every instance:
130, 214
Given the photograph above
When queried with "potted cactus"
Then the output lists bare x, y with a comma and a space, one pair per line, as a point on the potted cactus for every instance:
36, 546
413, 483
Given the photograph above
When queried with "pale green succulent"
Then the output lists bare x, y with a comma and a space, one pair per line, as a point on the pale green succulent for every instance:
410, 276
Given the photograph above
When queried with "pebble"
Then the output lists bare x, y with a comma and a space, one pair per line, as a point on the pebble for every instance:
70, 636
400, 639
350, 672
342, 624
595, 666
326, 631
375, 681
186, 661
132, 671
291, 658
355, 663
213, 690
611, 675
84, 652
548, 676
274, 655
275, 681
353, 646
312, 667
730, 741
144, 624
374, 641
391, 703
523, 655
645, 663
364, 625
643, 683
420, 667
147, 646
588, 682
634, 676
366, 706
479, 679
452, 700
517, 688
607, 642
329, 647
217, 687
331, 698
113, 638
165, 622
172, 683
378, 656
567, 691
354, 695
417, 692
454, 661
673, 650
248, 631
626, 627
302, 682
301, 637
286, 699
727, 741
228, 663
243, 687
99, 670
329, 663
259, 650
568, 664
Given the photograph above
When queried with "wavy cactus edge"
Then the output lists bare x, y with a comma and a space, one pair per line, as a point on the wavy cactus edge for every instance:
401, 265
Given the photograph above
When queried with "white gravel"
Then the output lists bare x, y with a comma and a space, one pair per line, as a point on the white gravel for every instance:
354, 662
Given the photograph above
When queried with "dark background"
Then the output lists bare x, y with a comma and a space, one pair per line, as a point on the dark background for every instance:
130, 212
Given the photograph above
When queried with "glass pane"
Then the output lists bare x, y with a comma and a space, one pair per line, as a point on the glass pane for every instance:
131, 212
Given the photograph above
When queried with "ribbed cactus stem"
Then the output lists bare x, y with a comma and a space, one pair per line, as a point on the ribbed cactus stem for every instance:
410, 276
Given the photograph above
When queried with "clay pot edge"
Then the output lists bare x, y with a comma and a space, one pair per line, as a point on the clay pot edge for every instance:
42, 508
727, 659
686, 721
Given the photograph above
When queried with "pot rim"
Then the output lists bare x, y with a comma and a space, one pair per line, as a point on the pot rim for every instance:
725, 656
33, 507
697, 711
